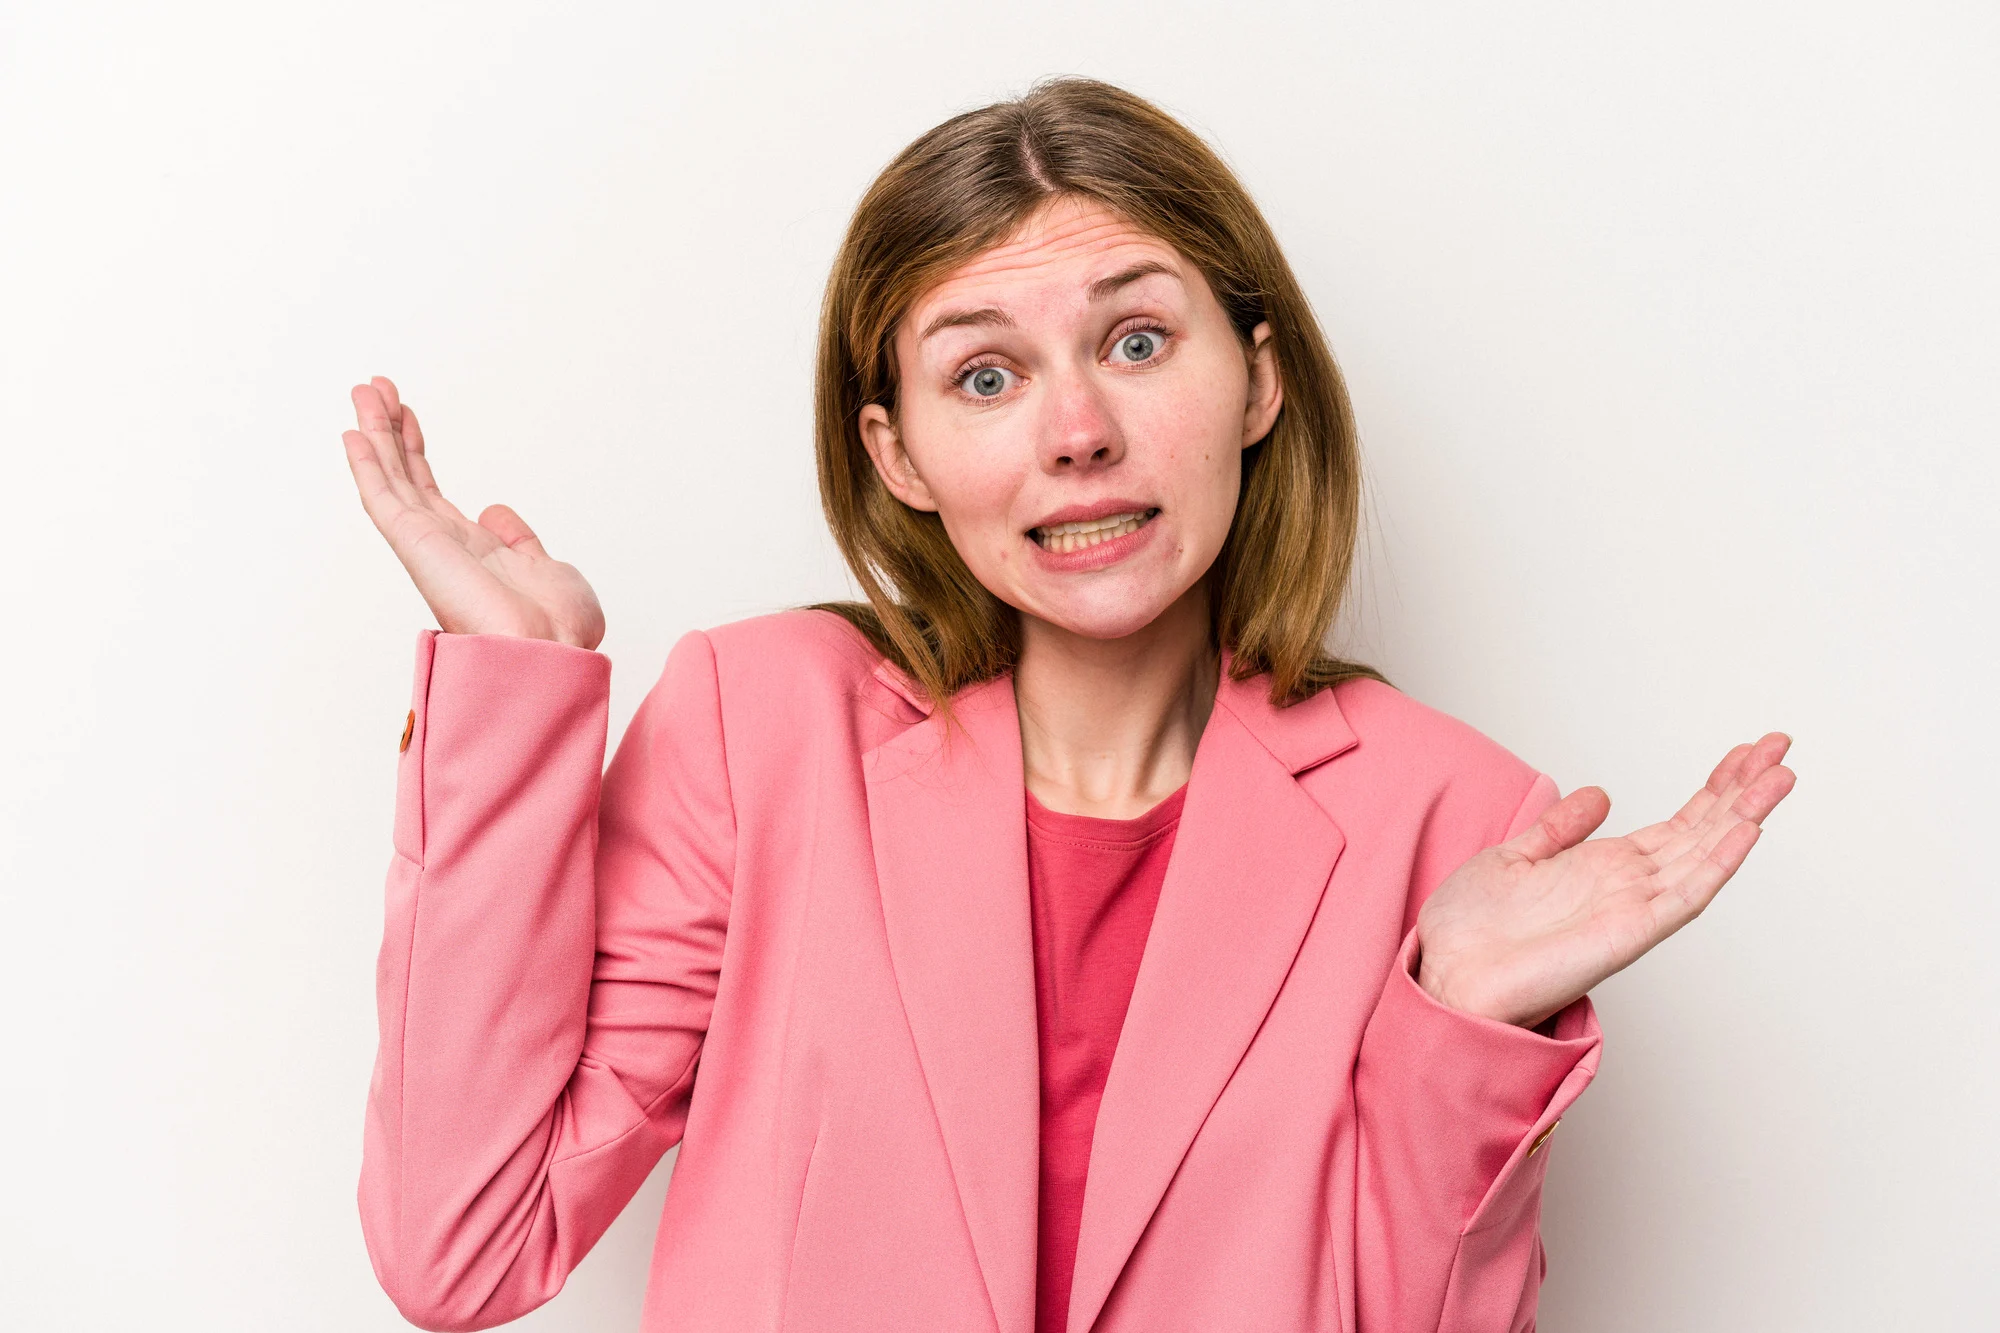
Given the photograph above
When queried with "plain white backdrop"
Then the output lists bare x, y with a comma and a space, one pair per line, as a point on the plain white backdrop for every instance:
1672, 334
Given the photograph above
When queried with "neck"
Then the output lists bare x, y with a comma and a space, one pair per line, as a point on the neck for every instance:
1109, 726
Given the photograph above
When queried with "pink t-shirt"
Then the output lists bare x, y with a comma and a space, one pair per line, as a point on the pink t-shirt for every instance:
1092, 886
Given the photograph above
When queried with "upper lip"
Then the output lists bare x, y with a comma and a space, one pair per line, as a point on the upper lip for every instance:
1083, 513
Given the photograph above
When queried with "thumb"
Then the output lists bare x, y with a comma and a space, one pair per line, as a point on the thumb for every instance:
1563, 825
511, 528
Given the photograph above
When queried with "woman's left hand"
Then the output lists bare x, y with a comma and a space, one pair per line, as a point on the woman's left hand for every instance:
1525, 928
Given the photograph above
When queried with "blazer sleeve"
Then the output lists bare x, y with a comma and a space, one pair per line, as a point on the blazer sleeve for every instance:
1454, 1112
551, 949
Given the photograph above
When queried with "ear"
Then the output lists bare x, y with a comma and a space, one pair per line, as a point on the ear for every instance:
1267, 390
892, 462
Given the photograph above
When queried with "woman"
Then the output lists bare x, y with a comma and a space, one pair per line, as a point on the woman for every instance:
1060, 940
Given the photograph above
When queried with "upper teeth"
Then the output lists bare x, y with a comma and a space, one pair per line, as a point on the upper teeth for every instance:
1089, 531
1088, 524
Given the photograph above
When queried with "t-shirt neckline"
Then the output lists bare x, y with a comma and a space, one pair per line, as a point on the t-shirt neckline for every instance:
1106, 832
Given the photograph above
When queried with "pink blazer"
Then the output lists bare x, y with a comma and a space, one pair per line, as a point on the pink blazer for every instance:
788, 929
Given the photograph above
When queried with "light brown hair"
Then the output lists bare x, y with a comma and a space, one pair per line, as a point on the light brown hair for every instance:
967, 185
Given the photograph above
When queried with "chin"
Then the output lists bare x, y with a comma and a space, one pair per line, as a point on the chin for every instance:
1105, 618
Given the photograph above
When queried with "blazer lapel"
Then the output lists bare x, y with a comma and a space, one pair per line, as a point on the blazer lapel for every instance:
1251, 859
948, 822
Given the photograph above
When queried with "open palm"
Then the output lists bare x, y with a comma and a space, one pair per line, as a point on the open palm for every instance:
489, 577
1524, 928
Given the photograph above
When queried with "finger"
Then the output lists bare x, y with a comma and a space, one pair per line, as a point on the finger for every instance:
1692, 882
1750, 806
1725, 772
373, 417
1768, 750
1762, 796
1655, 836
378, 497
413, 434
1763, 756
419, 464
399, 416
398, 413
1721, 779
509, 527
392, 412
1710, 812
1561, 826
392, 401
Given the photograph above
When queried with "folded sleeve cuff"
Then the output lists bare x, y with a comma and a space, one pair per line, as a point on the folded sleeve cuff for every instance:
484, 706
1457, 1104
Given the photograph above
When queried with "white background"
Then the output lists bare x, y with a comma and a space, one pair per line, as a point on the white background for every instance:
1671, 329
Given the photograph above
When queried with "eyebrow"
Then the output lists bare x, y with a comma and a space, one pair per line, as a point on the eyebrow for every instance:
958, 319
1145, 268
993, 317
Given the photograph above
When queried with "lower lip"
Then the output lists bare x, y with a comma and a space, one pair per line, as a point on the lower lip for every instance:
1107, 552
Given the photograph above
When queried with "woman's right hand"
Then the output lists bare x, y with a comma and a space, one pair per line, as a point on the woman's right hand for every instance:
489, 577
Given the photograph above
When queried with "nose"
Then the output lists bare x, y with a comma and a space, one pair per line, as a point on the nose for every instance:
1079, 431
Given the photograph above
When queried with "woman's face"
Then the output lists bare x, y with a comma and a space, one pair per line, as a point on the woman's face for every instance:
1073, 405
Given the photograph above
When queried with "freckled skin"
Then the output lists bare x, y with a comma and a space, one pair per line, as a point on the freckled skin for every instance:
1077, 421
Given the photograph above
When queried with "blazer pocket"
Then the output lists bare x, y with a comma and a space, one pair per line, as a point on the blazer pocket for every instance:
798, 1224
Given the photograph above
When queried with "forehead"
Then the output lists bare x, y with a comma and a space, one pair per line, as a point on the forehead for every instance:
1064, 246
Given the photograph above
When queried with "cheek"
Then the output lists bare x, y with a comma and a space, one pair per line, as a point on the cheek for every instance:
1197, 432
974, 473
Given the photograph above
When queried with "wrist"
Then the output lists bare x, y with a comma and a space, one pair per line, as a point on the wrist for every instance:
1444, 989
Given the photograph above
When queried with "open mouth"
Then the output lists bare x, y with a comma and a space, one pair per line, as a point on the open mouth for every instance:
1065, 537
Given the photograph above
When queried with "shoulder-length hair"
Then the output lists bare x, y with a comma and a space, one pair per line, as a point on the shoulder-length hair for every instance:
965, 186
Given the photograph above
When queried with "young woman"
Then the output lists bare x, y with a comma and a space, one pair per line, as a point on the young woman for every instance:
1059, 940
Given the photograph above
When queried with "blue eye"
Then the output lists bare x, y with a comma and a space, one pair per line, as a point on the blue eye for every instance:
986, 382
1139, 346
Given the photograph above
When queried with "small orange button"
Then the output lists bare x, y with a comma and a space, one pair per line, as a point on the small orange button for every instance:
1537, 1147
409, 725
